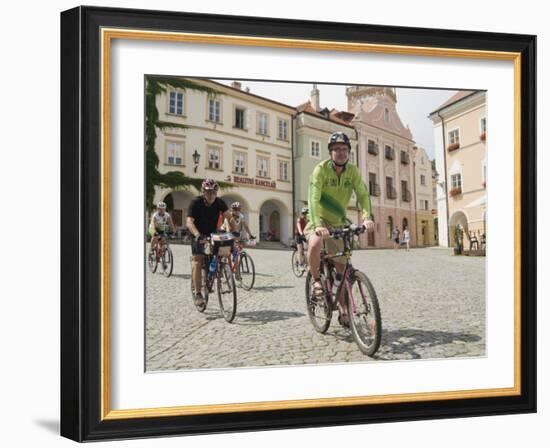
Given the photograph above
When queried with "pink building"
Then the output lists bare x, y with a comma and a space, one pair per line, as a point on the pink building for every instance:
385, 157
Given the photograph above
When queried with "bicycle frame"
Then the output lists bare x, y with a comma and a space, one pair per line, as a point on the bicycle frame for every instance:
328, 266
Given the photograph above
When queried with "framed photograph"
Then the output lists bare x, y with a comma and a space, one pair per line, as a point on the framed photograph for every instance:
273, 223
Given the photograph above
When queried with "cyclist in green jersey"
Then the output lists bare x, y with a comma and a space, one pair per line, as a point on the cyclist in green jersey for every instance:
330, 188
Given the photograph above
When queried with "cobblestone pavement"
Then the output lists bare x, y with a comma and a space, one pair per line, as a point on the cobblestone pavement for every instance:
432, 306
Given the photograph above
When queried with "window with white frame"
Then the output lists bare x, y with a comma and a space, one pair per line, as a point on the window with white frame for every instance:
263, 167
422, 179
456, 180
315, 149
424, 204
284, 170
214, 110
454, 137
483, 125
175, 103
262, 123
174, 153
240, 118
239, 162
214, 157
283, 129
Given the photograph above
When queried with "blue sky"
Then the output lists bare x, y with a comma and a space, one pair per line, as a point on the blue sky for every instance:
413, 105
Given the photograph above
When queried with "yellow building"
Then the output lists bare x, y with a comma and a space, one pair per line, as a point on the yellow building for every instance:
232, 136
460, 132
422, 166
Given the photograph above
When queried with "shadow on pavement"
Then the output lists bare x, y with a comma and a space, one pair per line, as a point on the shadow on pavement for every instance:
264, 316
185, 276
407, 341
271, 288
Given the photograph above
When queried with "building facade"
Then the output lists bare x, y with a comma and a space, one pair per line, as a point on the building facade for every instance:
233, 136
312, 129
385, 153
460, 132
422, 167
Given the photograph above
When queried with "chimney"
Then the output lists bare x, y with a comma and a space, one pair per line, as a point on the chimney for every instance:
236, 85
315, 98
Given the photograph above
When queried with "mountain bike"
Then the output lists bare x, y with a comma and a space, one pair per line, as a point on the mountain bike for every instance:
245, 273
162, 254
360, 298
216, 269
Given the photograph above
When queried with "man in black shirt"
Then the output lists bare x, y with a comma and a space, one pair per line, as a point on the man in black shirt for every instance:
202, 219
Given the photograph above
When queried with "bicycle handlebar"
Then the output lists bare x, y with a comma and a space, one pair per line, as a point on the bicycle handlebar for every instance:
352, 229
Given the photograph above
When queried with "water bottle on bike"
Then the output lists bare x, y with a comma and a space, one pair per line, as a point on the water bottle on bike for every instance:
212, 267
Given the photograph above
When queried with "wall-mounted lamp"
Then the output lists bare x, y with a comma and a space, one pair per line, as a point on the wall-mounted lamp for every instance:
196, 157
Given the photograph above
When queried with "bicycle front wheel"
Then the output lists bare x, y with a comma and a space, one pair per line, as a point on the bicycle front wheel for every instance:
364, 314
167, 262
152, 261
247, 272
227, 292
318, 308
296, 268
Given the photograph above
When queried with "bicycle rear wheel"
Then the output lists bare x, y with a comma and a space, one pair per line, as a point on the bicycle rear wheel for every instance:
227, 292
318, 308
364, 314
167, 262
247, 272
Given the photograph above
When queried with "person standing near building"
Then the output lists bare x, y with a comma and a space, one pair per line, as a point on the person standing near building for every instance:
330, 188
395, 238
406, 238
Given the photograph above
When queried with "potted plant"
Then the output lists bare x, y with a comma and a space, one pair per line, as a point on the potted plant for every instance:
455, 191
453, 147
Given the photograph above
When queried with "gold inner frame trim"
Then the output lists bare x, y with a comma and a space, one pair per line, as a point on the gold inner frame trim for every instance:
107, 35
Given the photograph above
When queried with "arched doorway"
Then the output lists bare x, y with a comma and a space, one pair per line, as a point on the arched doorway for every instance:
177, 204
405, 224
458, 218
275, 221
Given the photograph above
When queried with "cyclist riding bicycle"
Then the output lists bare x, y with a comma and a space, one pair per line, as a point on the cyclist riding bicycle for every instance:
240, 228
299, 237
240, 223
330, 189
202, 220
160, 223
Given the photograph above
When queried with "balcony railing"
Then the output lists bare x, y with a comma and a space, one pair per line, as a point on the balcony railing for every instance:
373, 149
374, 189
390, 153
404, 158
391, 193
406, 195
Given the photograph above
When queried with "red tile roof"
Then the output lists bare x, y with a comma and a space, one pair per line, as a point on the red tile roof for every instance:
456, 97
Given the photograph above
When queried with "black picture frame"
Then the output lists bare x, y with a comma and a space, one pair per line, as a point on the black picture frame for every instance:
82, 406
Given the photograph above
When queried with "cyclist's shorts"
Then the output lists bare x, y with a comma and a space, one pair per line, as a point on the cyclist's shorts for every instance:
196, 247
299, 239
331, 245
